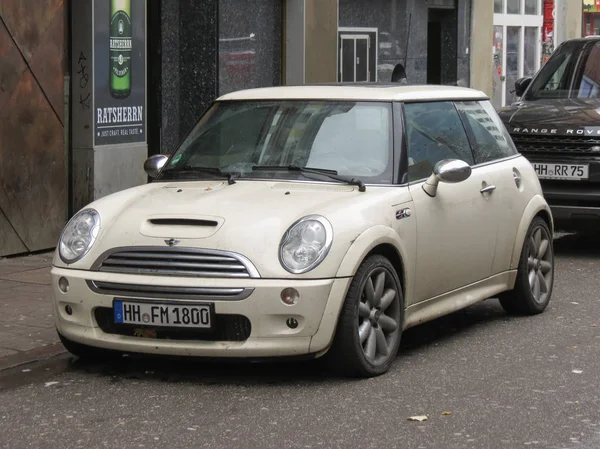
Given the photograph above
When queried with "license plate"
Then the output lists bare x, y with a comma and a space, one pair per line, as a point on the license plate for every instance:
574, 172
163, 314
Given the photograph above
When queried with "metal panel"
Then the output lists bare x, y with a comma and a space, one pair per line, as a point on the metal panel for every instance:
33, 188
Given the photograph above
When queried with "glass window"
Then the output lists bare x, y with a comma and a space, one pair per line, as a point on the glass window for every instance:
435, 132
491, 140
249, 44
573, 71
531, 7
499, 6
531, 46
513, 7
352, 139
513, 54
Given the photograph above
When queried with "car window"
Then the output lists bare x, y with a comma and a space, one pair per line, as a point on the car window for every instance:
490, 138
434, 132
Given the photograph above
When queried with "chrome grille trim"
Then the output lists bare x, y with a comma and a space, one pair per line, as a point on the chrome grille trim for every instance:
189, 262
170, 292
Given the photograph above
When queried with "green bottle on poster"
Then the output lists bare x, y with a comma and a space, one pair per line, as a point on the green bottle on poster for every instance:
120, 48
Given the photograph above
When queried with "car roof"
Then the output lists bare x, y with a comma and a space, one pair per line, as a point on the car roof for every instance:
358, 92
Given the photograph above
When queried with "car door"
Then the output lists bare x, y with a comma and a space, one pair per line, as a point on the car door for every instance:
456, 229
493, 147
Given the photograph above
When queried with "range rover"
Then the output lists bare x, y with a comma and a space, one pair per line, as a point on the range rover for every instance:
556, 125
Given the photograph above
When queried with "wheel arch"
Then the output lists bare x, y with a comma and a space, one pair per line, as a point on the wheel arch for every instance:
537, 207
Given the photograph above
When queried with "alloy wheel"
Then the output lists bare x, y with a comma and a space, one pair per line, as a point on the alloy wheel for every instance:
378, 312
539, 264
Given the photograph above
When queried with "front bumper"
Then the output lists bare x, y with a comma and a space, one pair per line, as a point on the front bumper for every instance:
268, 335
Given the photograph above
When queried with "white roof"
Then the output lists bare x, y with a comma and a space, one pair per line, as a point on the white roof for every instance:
357, 92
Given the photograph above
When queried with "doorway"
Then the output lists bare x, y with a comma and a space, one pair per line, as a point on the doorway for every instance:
442, 46
357, 55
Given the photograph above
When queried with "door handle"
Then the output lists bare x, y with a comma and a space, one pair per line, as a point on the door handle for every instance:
488, 189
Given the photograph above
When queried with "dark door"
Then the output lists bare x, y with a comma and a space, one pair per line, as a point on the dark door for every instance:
442, 46
362, 59
357, 56
347, 58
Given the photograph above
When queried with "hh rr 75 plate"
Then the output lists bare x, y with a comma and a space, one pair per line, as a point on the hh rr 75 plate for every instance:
165, 314
572, 172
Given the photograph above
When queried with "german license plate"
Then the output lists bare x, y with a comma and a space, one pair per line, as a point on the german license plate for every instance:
162, 314
574, 172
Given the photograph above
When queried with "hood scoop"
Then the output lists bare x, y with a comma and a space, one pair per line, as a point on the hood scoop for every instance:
181, 226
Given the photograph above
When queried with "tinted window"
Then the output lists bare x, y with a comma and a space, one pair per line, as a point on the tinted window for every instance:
573, 71
434, 132
491, 140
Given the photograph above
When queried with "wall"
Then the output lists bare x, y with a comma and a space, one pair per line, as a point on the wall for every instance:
481, 53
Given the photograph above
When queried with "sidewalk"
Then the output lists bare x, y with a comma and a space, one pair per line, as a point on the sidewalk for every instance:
27, 330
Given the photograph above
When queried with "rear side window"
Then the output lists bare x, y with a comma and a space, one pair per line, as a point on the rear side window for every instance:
489, 136
434, 132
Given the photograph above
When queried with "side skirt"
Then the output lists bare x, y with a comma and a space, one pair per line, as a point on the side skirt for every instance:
438, 306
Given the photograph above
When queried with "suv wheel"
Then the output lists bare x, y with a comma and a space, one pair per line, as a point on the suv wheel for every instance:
535, 275
370, 324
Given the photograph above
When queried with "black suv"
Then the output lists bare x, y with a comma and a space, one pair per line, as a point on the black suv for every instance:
556, 125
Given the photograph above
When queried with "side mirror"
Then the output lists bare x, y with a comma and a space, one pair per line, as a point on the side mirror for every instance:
450, 171
154, 163
521, 85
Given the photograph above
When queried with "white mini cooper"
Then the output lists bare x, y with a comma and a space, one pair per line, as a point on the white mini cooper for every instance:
309, 221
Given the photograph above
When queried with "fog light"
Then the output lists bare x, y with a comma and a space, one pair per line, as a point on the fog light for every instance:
290, 296
68, 310
292, 323
63, 284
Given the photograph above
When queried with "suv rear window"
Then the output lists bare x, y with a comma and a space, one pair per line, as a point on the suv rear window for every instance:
573, 71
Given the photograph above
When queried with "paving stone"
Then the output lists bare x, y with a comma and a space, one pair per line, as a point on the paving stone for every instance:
38, 276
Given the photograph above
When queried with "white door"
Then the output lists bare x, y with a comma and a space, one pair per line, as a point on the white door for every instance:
456, 229
517, 45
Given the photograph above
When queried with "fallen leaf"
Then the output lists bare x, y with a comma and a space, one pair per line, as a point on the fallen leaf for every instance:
577, 371
446, 413
594, 325
418, 418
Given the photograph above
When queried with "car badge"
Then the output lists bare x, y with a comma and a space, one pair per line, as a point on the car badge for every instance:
172, 242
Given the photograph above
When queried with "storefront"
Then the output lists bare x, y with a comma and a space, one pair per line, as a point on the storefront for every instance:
517, 48
591, 17
429, 38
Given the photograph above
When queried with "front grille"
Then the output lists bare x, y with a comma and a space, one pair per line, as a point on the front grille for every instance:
536, 143
160, 291
227, 328
176, 262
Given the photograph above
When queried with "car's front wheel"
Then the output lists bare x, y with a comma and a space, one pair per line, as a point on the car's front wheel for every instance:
370, 324
535, 275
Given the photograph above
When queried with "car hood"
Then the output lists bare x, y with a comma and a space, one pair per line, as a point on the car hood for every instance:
560, 117
248, 218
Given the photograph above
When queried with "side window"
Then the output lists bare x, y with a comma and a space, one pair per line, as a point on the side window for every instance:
434, 132
491, 140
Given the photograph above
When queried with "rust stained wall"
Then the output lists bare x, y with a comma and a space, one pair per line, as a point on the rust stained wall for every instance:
33, 180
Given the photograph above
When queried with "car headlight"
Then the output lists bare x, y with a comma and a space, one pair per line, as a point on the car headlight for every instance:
79, 235
305, 244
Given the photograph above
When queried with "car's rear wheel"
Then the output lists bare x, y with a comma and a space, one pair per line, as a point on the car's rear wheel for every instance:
535, 276
370, 324
87, 352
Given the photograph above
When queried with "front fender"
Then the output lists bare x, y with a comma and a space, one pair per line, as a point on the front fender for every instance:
356, 254
536, 205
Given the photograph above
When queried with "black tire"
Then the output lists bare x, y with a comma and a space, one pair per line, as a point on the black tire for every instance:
86, 352
533, 263
347, 355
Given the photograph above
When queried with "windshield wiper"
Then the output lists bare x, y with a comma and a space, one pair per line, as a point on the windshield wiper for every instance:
316, 171
209, 170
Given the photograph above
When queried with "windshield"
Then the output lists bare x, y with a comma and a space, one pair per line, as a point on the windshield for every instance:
573, 71
246, 138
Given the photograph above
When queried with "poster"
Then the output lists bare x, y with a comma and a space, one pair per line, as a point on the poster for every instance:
120, 71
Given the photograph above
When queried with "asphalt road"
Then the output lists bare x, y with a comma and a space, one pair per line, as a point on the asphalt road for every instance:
484, 379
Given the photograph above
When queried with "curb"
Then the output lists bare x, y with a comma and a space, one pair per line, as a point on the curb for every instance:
33, 355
